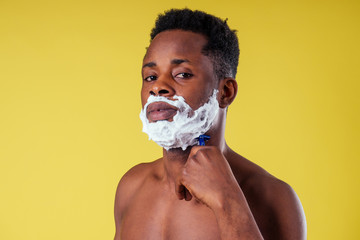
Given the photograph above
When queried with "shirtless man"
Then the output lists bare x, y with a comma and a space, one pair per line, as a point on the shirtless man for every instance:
198, 192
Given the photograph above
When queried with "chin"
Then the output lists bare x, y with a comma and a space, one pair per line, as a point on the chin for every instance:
178, 150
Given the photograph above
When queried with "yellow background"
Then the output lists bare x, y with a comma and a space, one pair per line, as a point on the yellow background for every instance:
69, 105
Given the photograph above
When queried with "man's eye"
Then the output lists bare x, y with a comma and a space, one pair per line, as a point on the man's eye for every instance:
184, 75
150, 78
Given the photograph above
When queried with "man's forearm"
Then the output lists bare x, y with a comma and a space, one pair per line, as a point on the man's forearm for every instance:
235, 219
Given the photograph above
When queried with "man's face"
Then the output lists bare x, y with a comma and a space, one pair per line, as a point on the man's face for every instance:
174, 65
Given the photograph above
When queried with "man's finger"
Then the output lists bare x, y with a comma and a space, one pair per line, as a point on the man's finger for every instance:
188, 195
194, 150
180, 191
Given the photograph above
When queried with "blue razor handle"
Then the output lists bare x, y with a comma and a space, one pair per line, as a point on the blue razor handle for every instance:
202, 139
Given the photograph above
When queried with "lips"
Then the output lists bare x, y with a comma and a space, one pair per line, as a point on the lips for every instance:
158, 111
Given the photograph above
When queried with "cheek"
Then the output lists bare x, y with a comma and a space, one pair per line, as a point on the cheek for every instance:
199, 98
194, 101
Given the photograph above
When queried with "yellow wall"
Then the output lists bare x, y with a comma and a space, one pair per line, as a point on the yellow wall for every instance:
69, 105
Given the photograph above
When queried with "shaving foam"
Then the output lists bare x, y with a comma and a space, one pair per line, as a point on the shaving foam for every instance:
187, 124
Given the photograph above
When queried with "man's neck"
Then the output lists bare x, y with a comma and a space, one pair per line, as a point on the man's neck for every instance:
175, 159
173, 162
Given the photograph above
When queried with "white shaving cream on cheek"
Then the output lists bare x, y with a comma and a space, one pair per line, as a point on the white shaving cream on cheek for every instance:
187, 124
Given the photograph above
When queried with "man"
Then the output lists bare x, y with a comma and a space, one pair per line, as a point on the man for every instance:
198, 192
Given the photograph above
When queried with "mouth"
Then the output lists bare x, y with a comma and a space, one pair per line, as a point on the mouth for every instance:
159, 111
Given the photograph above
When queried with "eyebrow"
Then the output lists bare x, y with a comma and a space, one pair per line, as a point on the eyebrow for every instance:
179, 61
150, 64
175, 61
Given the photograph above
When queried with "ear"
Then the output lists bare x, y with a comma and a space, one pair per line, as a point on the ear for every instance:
227, 92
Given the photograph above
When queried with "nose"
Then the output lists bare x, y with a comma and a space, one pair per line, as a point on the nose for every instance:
162, 87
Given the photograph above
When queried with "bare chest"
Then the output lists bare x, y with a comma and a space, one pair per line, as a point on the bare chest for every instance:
162, 216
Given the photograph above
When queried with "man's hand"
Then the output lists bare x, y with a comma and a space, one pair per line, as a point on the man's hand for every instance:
207, 176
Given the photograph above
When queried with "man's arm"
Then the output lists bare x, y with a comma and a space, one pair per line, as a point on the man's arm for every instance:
126, 189
235, 219
217, 188
281, 215
287, 211
119, 207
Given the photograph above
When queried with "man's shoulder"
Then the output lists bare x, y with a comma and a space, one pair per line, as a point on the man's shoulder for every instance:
269, 187
259, 184
131, 182
272, 198
133, 178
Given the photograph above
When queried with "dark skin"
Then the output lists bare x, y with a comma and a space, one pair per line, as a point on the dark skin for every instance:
204, 192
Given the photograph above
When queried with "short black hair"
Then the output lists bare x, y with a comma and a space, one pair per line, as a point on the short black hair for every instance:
222, 47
